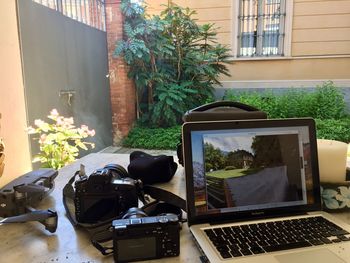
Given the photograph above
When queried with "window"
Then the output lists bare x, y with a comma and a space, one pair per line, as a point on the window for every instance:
261, 29
90, 12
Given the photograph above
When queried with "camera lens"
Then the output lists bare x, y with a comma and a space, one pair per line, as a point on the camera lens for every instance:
134, 212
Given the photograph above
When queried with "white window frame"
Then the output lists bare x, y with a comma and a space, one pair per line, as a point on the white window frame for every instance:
287, 43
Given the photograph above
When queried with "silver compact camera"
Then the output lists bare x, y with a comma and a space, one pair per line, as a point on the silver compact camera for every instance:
142, 237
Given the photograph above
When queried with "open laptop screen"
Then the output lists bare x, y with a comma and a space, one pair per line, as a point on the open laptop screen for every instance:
249, 167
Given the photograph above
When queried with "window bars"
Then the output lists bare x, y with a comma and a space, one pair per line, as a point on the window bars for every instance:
261, 27
89, 12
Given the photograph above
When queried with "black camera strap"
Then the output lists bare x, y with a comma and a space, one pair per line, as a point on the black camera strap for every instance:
162, 195
102, 231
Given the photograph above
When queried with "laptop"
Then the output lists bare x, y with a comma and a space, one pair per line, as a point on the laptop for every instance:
253, 193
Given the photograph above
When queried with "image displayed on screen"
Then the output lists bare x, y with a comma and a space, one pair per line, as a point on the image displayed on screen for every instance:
248, 171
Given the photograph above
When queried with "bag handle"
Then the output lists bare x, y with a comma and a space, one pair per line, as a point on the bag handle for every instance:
224, 103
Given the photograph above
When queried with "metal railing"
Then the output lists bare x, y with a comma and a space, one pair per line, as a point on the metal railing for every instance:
89, 12
261, 27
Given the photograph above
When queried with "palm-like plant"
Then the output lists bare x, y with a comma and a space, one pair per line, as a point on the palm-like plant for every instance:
174, 61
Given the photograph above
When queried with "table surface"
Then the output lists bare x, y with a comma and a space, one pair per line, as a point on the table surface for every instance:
30, 242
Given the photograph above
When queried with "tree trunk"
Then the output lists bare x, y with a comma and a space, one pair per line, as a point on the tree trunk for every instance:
150, 94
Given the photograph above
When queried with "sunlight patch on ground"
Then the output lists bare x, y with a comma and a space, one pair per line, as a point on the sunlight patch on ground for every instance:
224, 174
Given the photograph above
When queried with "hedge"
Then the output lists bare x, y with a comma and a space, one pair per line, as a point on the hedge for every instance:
325, 104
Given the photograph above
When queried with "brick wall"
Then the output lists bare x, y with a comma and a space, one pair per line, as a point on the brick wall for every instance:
122, 89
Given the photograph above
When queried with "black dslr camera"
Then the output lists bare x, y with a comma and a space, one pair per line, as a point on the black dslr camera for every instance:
107, 193
142, 237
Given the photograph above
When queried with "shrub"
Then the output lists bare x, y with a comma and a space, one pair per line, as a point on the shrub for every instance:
326, 105
173, 60
334, 129
168, 138
326, 102
148, 138
329, 102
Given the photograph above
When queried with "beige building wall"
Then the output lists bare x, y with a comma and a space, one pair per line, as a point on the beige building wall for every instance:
317, 48
12, 103
321, 28
208, 11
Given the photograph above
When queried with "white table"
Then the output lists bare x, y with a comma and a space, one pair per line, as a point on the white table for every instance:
29, 242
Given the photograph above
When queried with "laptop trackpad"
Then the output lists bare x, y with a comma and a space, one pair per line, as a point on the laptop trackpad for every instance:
320, 256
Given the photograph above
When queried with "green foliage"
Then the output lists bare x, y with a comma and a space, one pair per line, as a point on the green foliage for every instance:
214, 159
267, 151
172, 99
330, 103
173, 61
60, 141
331, 129
326, 102
157, 138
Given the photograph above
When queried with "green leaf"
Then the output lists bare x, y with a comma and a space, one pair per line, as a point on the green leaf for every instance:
81, 145
171, 58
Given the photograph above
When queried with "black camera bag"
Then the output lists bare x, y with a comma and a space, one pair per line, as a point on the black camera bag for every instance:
220, 110
151, 169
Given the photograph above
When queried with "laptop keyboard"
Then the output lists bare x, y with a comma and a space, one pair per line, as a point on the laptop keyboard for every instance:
245, 240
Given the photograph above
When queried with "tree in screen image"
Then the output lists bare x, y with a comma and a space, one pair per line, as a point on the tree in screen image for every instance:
267, 151
214, 159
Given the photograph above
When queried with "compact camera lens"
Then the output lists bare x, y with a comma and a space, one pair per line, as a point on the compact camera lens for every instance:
163, 219
134, 212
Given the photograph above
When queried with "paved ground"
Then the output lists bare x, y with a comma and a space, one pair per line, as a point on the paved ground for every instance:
118, 149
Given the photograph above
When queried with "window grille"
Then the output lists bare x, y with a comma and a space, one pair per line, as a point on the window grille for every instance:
261, 27
89, 12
